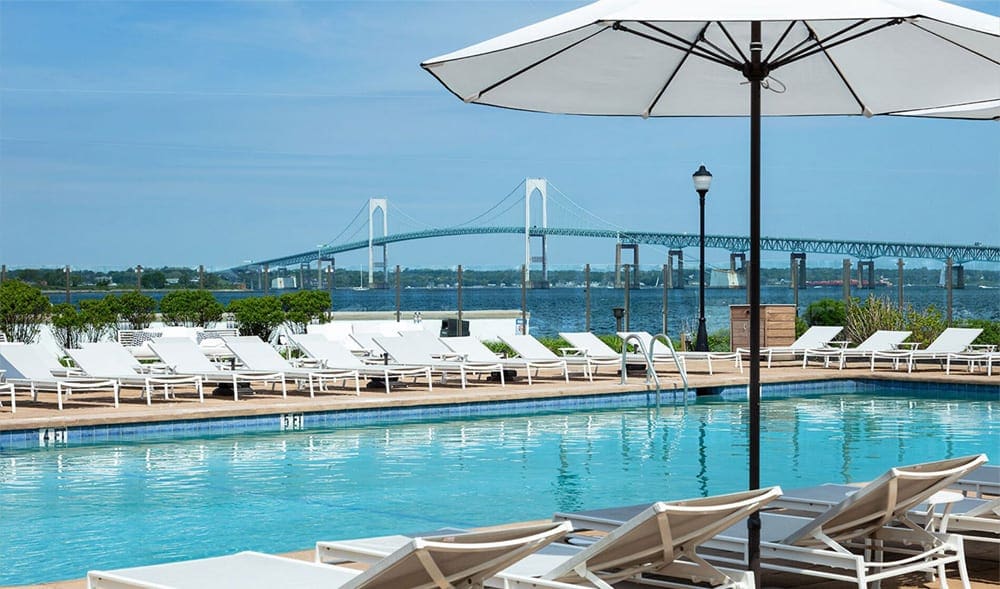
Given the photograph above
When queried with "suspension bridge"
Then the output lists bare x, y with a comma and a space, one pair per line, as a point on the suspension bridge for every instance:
536, 257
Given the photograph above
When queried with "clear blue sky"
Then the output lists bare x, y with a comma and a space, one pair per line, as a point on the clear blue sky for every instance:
186, 133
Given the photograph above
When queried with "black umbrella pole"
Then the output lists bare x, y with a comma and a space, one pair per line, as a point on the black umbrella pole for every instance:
756, 76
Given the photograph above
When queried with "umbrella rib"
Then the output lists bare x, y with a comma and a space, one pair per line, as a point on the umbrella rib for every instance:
697, 51
673, 74
973, 51
781, 40
526, 68
725, 31
821, 46
836, 68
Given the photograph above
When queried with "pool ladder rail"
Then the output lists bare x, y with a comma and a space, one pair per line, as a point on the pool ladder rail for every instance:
651, 376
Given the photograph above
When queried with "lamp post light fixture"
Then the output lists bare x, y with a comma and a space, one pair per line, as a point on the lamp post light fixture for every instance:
702, 182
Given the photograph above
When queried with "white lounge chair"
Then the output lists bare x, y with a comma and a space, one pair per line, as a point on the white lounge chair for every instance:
26, 367
881, 341
335, 356
534, 355
816, 337
588, 345
257, 355
952, 340
182, 356
856, 541
472, 350
849, 540
449, 562
110, 360
974, 358
662, 540
410, 351
985, 480
661, 353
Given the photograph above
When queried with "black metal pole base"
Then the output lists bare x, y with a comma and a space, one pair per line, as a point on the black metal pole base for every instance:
701, 343
225, 389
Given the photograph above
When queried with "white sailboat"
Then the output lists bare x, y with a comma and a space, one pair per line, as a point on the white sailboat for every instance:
361, 280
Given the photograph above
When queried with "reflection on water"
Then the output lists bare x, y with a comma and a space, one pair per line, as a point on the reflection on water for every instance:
119, 505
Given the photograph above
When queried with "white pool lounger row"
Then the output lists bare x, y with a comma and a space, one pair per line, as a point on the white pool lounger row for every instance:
860, 535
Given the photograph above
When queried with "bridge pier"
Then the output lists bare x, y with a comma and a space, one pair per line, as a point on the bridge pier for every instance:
618, 264
869, 266
679, 282
378, 204
798, 270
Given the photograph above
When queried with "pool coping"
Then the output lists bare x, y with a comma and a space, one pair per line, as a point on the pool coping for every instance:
277, 417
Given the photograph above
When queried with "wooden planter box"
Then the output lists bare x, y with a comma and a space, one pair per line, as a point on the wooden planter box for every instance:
777, 326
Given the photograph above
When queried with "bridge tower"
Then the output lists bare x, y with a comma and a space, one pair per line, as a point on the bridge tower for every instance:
378, 204
530, 186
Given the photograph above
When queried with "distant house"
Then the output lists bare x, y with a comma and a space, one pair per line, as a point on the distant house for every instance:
173, 281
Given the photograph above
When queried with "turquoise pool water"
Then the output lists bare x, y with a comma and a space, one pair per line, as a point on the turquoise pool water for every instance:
66, 510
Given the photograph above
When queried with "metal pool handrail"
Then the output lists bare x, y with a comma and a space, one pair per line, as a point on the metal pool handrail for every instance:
648, 355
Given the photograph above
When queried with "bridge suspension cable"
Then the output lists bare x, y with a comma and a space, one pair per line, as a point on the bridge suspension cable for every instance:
495, 206
348, 226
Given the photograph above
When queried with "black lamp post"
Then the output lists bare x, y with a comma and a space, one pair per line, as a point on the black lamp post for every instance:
702, 181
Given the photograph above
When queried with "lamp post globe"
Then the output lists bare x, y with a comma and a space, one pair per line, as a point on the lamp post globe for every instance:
702, 182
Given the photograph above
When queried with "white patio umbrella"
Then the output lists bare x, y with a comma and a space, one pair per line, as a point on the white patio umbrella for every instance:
659, 58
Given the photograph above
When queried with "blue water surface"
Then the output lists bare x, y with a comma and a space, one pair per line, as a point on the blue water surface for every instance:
65, 510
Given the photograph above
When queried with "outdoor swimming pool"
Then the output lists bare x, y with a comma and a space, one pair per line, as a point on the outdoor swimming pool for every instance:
65, 510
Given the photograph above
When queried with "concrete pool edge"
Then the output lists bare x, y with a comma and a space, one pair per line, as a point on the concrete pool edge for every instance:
341, 411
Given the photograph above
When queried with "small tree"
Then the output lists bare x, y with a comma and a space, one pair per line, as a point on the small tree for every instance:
100, 318
826, 312
926, 325
67, 324
257, 315
864, 319
136, 309
305, 306
23, 310
190, 308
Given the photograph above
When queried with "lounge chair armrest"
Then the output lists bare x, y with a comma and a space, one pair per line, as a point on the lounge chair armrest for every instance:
573, 351
912, 346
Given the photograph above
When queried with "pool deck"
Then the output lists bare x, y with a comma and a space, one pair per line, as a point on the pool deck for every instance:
95, 409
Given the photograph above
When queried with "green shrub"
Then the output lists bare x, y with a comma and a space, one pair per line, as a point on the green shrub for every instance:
864, 319
800, 326
719, 341
23, 310
926, 325
191, 308
554, 343
614, 342
826, 312
67, 325
257, 315
100, 318
135, 309
499, 348
304, 307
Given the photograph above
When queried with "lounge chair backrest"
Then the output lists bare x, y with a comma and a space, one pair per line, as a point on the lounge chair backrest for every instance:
883, 500
425, 341
366, 340
526, 346
116, 352
953, 339
883, 339
589, 343
461, 560
817, 336
256, 354
24, 361
403, 351
95, 362
179, 331
658, 535
470, 347
333, 353
182, 355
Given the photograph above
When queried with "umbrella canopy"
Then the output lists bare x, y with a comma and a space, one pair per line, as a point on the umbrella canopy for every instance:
989, 110
659, 58
670, 58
